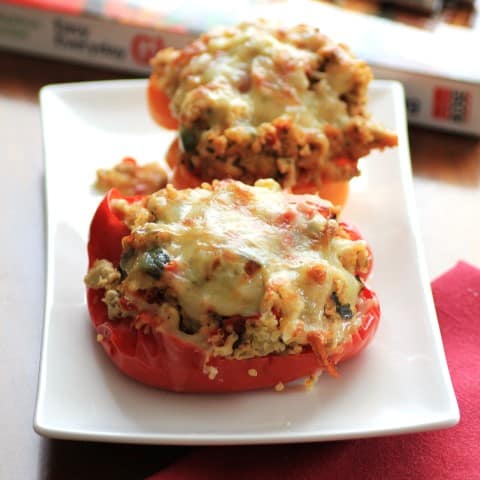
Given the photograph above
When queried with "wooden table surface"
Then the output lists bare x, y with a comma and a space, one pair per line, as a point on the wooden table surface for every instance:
447, 188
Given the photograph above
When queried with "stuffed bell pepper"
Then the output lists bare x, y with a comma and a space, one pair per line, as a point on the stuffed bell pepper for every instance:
261, 101
227, 287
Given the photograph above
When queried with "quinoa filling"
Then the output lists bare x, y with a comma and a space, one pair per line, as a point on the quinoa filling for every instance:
240, 271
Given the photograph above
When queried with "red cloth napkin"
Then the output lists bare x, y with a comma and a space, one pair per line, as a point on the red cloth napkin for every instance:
450, 454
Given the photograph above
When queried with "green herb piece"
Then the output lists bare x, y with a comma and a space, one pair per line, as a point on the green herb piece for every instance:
188, 139
126, 261
153, 261
343, 310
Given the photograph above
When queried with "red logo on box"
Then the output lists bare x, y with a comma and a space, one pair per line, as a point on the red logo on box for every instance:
144, 47
451, 104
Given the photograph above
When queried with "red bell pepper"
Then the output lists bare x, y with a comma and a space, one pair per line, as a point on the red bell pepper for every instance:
159, 105
166, 361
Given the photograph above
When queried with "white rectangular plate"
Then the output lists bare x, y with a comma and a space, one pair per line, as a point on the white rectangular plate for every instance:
399, 384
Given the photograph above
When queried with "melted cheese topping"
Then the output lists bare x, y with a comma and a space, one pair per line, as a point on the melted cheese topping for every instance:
232, 250
255, 73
